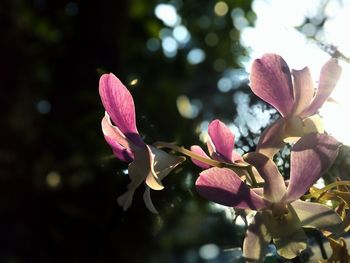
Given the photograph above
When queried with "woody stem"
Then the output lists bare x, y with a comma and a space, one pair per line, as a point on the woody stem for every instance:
188, 153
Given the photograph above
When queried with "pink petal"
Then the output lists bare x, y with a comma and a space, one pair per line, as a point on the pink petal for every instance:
313, 123
303, 89
259, 191
294, 129
271, 140
223, 186
236, 157
274, 187
119, 143
270, 80
329, 77
119, 104
210, 146
256, 241
198, 150
311, 156
222, 138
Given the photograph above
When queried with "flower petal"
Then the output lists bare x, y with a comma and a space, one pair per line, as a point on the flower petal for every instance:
164, 162
329, 76
271, 140
317, 216
274, 187
222, 138
150, 165
141, 169
125, 200
293, 130
198, 150
292, 246
311, 156
259, 191
136, 176
119, 104
146, 166
286, 232
313, 123
211, 147
119, 143
223, 186
148, 201
303, 89
270, 79
236, 157
256, 241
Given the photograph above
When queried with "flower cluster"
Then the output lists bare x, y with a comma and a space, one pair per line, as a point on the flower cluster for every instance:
252, 181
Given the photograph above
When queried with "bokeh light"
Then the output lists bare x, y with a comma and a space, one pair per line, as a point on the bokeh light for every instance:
221, 8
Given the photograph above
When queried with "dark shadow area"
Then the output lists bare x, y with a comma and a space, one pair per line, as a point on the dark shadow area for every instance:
58, 178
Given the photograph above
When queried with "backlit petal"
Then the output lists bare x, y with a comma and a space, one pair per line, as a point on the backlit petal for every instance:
259, 191
150, 165
141, 169
329, 77
119, 143
313, 123
164, 162
303, 89
236, 157
311, 156
256, 241
294, 129
198, 150
119, 104
146, 166
222, 138
271, 140
270, 79
137, 177
223, 186
274, 187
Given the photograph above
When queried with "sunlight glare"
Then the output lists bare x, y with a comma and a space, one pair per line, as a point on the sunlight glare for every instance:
168, 14
276, 31
336, 113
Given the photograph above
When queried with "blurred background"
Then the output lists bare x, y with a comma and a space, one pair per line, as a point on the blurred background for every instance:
185, 63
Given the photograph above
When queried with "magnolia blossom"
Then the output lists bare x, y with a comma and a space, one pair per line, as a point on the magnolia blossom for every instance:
280, 214
147, 163
220, 145
295, 98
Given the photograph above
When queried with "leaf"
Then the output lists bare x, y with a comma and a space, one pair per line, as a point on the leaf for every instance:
340, 252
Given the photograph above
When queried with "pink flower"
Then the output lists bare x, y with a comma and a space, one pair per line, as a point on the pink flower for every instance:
280, 213
146, 163
295, 99
220, 145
